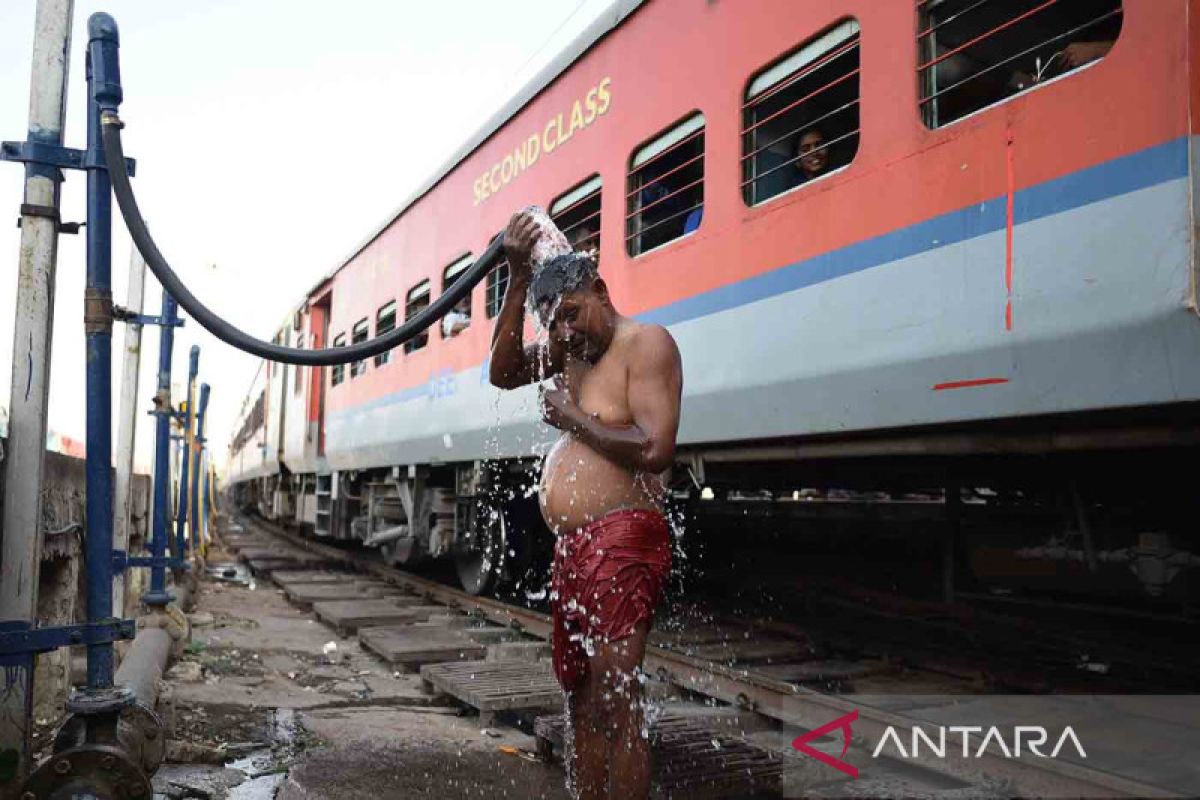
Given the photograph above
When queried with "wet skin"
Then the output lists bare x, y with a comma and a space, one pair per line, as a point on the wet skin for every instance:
615, 397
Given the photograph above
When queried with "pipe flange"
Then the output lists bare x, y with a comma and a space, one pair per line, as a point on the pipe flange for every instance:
93, 770
141, 731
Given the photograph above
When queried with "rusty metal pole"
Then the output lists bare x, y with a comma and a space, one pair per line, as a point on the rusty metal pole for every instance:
20, 549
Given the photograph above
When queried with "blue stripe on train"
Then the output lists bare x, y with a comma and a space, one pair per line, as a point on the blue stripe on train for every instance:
1120, 176
1140, 170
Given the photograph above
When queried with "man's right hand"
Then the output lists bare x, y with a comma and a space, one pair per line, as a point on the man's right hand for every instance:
519, 237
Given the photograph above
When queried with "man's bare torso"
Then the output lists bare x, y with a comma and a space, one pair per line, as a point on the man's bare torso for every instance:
579, 485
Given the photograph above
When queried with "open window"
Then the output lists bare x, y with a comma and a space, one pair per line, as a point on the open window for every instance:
577, 215
337, 373
358, 334
800, 116
497, 285
665, 197
458, 319
418, 299
297, 369
972, 54
385, 321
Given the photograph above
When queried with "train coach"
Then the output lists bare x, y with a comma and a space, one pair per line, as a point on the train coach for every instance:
921, 249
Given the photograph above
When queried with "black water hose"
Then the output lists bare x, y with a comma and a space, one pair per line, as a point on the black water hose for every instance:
114, 156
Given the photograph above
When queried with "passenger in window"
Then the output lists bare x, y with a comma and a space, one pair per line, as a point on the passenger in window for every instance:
582, 237
1073, 56
812, 155
457, 319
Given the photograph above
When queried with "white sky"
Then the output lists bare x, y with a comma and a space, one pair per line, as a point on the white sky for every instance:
271, 136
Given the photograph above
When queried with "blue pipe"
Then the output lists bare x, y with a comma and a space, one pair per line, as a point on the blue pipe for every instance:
104, 91
196, 521
181, 520
158, 594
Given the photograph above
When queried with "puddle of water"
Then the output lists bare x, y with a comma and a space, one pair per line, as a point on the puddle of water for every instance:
262, 788
230, 572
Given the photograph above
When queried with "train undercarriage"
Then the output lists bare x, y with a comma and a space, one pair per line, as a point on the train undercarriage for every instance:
1089, 514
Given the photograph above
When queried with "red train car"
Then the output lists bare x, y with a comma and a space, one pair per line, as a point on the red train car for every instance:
894, 241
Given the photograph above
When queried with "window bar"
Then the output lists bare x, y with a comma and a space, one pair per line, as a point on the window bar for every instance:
852, 73
801, 129
1012, 58
802, 73
657, 156
987, 34
642, 209
576, 204
580, 222
595, 235
778, 167
664, 220
951, 18
666, 174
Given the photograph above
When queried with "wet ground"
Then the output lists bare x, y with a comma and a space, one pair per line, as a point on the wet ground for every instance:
268, 703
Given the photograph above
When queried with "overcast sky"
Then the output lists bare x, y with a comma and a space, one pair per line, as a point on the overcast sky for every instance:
271, 136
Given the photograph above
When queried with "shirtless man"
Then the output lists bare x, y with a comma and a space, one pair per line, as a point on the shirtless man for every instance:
615, 397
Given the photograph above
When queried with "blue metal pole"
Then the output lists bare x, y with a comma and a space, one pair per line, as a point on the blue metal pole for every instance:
181, 518
158, 595
104, 91
196, 521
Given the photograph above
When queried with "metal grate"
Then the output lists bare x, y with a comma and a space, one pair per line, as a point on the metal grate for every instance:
385, 321
693, 760
801, 115
973, 53
417, 300
497, 285
665, 197
577, 214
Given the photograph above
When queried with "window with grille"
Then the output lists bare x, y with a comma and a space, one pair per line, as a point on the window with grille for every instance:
973, 53
337, 373
418, 298
665, 198
385, 320
800, 118
358, 334
577, 214
458, 318
497, 285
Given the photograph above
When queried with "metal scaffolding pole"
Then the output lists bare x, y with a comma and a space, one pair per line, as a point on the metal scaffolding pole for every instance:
127, 422
20, 548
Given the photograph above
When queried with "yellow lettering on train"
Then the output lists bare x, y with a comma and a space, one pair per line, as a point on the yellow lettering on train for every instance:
590, 102
604, 96
583, 113
576, 116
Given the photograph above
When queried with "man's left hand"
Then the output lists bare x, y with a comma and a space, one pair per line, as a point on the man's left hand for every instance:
558, 409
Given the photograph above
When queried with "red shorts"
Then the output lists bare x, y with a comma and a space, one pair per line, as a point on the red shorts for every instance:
608, 576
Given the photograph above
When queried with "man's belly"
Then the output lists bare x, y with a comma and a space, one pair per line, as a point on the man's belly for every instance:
580, 486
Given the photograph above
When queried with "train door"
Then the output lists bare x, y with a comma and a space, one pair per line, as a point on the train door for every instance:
319, 325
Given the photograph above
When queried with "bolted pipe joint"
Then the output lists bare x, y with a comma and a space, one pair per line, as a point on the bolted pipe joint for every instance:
104, 61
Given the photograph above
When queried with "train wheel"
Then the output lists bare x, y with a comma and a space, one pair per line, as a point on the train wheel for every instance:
477, 560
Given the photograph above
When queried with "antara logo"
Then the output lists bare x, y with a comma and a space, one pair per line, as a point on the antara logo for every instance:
1032, 737
937, 739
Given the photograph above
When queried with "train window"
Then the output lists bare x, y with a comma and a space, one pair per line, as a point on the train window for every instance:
665, 198
577, 214
358, 334
497, 284
459, 318
973, 53
800, 118
385, 320
337, 373
418, 298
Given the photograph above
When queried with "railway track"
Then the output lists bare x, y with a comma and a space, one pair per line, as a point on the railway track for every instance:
764, 689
